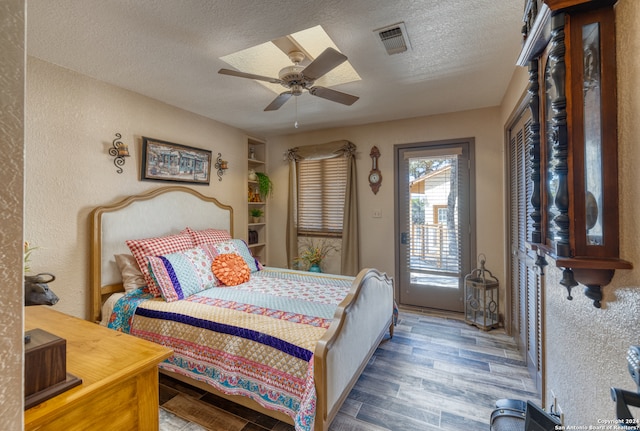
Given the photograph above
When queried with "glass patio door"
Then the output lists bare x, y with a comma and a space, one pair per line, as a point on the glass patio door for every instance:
435, 224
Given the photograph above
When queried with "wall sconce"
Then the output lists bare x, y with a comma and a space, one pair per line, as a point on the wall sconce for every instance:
221, 166
119, 151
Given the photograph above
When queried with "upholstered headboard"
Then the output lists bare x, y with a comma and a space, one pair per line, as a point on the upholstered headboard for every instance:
160, 212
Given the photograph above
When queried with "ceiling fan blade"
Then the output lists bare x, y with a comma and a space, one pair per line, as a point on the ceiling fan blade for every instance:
328, 60
279, 101
249, 75
333, 95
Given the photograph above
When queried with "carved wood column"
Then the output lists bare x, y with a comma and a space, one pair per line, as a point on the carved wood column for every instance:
559, 134
533, 144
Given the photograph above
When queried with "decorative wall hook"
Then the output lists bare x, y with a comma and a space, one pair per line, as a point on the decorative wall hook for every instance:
221, 166
119, 151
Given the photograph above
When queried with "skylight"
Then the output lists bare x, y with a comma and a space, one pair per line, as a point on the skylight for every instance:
267, 59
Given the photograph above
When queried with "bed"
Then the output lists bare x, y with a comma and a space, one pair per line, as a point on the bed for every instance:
330, 339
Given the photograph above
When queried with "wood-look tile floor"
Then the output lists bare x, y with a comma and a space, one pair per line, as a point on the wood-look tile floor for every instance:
436, 373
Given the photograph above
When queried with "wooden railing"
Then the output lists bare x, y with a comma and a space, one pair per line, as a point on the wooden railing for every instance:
432, 243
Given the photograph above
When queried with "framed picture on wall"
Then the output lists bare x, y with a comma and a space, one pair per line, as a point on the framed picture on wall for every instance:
166, 161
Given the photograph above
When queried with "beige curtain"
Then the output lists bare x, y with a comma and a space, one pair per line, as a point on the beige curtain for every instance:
292, 210
350, 263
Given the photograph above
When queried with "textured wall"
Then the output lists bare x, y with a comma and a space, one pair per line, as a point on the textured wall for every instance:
12, 69
71, 121
586, 347
377, 234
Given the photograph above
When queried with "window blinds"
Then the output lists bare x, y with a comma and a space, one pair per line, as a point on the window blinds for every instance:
434, 226
321, 194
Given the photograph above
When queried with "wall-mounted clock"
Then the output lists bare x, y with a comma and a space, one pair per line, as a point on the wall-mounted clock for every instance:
578, 169
375, 177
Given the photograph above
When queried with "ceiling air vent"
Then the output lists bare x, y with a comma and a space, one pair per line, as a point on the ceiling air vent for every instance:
394, 38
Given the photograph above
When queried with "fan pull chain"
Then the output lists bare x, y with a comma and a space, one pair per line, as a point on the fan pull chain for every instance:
296, 123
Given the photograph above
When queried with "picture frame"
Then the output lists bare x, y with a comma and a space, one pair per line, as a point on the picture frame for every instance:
168, 161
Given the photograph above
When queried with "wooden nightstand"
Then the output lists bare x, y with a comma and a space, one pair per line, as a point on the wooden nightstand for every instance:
119, 375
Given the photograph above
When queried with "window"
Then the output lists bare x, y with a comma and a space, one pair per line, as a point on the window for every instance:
321, 193
440, 213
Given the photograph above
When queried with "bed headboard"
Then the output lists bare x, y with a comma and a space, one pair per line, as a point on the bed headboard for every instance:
163, 211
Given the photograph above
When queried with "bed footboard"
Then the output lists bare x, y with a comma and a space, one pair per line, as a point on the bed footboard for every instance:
361, 321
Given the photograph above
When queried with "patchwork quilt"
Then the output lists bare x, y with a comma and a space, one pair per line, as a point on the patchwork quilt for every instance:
256, 339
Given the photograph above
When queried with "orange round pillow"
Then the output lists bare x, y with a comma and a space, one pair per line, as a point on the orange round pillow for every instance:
230, 269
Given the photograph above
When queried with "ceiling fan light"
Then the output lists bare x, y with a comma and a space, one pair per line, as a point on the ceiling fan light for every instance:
296, 89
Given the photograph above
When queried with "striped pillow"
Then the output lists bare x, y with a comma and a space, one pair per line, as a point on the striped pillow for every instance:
182, 274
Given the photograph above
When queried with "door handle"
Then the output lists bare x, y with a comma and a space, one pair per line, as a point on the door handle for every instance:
404, 238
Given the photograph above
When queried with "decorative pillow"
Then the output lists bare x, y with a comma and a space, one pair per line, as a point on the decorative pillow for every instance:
182, 274
208, 236
231, 269
132, 278
239, 247
141, 248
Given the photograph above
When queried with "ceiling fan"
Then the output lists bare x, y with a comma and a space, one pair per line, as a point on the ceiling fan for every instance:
297, 78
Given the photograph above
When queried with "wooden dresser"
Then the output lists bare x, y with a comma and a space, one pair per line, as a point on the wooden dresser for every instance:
119, 375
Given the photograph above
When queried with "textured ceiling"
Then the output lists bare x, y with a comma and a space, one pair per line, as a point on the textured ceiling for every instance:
462, 54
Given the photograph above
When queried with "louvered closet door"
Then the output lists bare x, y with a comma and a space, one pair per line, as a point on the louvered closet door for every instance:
526, 316
435, 227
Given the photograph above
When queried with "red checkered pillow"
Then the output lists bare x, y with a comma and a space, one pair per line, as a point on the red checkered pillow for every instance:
140, 248
208, 236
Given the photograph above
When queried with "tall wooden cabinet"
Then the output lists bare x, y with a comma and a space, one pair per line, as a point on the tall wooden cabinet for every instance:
257, 226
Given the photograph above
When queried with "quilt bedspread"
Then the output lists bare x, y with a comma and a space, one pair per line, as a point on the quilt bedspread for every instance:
256, 339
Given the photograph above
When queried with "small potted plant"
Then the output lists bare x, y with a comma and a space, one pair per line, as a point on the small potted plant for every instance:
256, 213
313, 253
265, 186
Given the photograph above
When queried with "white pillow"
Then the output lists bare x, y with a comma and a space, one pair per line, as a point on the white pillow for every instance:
132, 277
